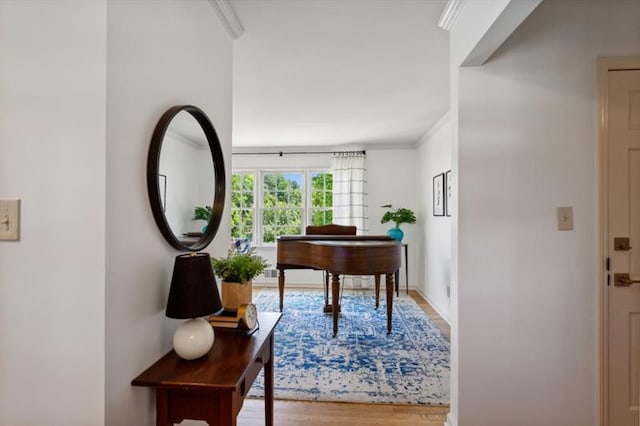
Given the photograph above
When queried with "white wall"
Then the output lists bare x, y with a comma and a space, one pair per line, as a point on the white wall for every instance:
159, 55
527, 144
52, 157
434, 245
391, 179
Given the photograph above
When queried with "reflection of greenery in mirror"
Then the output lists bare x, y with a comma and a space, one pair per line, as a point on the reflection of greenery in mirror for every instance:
185, 148
202, 213
283, 207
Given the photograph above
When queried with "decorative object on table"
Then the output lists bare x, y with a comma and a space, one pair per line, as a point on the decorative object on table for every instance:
202, 213
448, 183
245, 319
398, 217
438, 195
362, 364
193, 295
242, 245
236, 271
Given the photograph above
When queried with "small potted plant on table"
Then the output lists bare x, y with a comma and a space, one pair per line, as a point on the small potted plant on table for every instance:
237, 270
398, 216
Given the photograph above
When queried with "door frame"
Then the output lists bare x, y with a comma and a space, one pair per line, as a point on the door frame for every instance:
604, 65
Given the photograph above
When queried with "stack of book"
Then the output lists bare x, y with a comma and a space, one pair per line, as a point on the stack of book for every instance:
225, 319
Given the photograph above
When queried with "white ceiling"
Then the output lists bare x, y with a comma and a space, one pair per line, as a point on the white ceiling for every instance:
312, 73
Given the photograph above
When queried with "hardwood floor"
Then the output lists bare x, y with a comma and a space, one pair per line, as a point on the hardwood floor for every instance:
297, 413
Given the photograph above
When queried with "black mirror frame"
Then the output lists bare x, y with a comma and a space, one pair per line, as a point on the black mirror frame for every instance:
153, 168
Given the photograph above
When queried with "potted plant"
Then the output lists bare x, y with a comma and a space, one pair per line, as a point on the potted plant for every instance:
236, 271
202, 213
397, 216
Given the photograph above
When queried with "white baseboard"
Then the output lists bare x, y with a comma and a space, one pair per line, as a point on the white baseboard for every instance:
449, 421
434, 307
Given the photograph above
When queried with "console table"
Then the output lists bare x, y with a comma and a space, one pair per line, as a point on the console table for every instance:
213, 388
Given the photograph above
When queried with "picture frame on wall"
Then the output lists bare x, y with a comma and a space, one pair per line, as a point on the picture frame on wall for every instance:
162, 183
438, 195
448, 183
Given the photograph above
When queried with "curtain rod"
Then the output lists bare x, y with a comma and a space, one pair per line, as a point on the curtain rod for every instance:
281, 153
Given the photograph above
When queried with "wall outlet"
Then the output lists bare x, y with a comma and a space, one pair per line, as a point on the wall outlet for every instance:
270, 273
9, 220
565, 218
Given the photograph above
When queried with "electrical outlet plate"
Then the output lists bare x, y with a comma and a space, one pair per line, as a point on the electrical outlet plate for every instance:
9, 220
565, 218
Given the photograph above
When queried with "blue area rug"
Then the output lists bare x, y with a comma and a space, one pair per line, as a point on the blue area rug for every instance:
362, 363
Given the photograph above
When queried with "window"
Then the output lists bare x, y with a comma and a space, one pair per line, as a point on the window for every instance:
242, 205
321, 210
283, 203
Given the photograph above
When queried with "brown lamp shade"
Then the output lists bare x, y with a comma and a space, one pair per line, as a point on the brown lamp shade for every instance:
193, 292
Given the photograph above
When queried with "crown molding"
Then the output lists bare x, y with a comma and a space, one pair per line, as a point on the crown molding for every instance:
450, 13
228, 17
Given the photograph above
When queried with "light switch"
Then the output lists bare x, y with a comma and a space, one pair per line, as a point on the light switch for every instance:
565, 218
9, 220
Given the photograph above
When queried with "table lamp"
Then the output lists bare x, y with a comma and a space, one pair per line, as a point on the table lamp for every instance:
193, 295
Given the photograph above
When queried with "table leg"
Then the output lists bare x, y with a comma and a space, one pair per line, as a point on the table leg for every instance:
281, 288
224, 414
162, 408
377, 277
406, 268
397, 280
326, 288
389, 285
268, 386
335, 292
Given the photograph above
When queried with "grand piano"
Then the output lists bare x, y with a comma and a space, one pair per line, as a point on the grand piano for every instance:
341, 255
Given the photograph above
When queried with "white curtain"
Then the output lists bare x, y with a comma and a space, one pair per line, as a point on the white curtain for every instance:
349, 194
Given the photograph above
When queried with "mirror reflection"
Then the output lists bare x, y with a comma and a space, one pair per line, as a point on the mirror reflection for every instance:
185, 178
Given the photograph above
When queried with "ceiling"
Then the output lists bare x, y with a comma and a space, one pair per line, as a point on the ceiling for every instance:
339, 73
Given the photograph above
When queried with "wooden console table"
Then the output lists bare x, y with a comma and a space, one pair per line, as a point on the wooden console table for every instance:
213, 388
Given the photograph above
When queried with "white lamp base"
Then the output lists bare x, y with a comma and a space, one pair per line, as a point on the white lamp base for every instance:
193, 338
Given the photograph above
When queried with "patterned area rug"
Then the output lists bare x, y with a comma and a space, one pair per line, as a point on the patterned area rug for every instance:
362, 363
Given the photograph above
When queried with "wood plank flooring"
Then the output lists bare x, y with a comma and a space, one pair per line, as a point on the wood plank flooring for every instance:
297, 413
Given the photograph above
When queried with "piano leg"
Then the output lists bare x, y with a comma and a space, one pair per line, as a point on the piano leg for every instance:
281, 288
389, 285
327, 306
335, 294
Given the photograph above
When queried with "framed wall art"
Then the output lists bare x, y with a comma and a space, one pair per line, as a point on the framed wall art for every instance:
447, 183
438, 195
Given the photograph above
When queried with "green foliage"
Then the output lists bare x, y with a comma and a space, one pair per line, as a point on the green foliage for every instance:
242, 205
282, 207
239, 267
202, 213
398, 216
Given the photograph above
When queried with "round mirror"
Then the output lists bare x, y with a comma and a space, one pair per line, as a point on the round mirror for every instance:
186, 178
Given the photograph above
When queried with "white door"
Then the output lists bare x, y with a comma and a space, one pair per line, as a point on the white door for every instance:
623, 190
